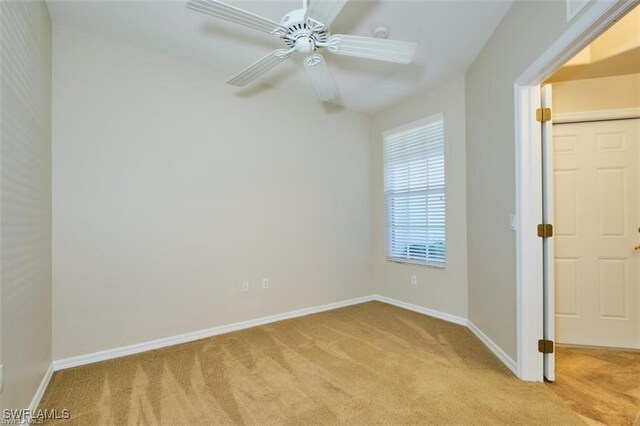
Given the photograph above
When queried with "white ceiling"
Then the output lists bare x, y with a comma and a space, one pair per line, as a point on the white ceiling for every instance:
449, 34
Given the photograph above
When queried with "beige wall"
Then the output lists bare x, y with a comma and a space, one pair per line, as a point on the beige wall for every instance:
616, 52
526, 31
597, 94
25, 212
621, 37
169, 191
444, 290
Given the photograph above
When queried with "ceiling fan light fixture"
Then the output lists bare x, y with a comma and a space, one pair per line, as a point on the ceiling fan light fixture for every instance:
305, 45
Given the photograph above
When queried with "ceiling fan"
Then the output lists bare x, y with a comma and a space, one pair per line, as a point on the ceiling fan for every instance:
306, 31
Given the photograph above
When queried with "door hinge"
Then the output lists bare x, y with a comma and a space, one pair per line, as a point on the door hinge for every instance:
545, 230
545, 346
543, 114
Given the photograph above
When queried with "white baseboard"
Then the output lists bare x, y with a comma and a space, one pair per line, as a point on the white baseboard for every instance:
497, 351
426, 311
35, 402
76, 361
490, 344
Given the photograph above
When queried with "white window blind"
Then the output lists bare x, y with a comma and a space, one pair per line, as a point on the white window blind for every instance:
414, 189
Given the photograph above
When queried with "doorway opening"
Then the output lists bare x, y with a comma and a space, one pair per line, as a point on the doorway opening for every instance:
577, 167
531, 277
591, 196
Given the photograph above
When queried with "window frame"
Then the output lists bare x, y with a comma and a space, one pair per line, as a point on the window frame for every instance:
430, 263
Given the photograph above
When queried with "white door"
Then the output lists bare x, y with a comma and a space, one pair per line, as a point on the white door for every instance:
597, 220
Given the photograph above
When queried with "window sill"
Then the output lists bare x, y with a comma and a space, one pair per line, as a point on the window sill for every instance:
430, 265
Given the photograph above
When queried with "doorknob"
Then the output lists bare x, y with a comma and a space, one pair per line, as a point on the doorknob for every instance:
637, 248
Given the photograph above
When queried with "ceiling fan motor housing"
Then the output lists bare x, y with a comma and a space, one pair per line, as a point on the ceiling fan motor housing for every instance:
300, 35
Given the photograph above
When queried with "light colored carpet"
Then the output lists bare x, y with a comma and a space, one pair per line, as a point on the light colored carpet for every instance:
602, 385
366, 364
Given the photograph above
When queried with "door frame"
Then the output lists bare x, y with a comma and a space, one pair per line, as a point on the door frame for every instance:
528, 139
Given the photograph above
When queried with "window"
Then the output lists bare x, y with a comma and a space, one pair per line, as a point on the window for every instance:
414, 192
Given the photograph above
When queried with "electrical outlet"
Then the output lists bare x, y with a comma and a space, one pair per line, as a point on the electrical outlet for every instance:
1, 376
266, 283
245, 286
414, 280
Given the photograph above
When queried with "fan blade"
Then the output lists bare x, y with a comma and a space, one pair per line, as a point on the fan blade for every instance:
321, 78
254, 71
239, 16
325, 11
372, 48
